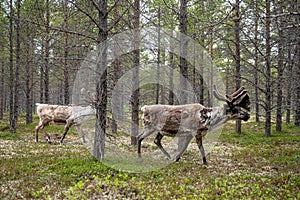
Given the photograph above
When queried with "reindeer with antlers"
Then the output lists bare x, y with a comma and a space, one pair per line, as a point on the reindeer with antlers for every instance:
192, 120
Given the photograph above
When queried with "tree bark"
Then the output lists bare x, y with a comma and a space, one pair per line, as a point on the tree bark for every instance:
237, 56
66, 55
135, 77
297, 66
280, 68
47, 54
183, 52
268, 72
171, 74
116, 64
158, 84
29, 82
256, 78
289, 80
11, 71
2, 91
101, 86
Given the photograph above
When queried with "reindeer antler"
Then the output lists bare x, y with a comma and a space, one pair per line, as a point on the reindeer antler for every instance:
230, 98
237, 94
238, 91
218, 95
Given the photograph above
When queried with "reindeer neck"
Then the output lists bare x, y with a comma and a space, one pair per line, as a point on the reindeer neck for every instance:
216, 117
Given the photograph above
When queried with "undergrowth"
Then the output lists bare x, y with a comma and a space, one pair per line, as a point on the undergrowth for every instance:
241, 166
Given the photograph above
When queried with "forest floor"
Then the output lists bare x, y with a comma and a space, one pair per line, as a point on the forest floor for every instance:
241, 166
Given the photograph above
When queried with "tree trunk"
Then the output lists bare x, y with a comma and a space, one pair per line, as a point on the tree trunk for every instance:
2, 91
11, 71
116, 64
256, 78
297, 66
280, 68
268, 72
289, 80
171, 74
211, 75
183, 98
135, 76
28, 84
101, 86
66, 55
158, 62
237, 59
47, 54
183, 52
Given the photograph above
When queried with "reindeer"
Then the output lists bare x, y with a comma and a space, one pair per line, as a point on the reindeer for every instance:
191, 120
68, 115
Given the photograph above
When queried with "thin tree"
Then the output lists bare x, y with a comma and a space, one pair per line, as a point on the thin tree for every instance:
237, 56
2, 91
46, 69
256, 67
116, 63
280, 67
66, 54
11, 70
268, 71
135, 76
18, 63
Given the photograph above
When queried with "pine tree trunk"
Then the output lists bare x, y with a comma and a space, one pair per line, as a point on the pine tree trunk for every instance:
66, 55
171, 75
116, 64
11, 71
28, 84
2, 92
183, 98
101, 86
135, 77
280, 68
183, 52
237, 59
47, 54
289, 80
256, 66
297, 69
158, 62
268, 72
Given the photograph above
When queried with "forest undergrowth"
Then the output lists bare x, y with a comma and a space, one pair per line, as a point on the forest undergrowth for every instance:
241, 166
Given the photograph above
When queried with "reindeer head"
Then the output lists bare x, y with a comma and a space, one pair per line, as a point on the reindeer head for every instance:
238, 103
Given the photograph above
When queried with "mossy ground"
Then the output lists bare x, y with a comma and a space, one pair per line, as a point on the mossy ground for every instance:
241, 166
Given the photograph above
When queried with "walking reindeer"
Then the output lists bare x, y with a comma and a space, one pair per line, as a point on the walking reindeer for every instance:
192, 120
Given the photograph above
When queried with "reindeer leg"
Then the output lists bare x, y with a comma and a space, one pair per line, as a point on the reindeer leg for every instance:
47, 136
187, 140
37, 128
157, 141
81, 133
41, 126
201, 148
146, 132
66, 129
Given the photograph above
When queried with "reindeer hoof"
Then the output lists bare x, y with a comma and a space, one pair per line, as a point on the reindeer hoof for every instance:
177, 158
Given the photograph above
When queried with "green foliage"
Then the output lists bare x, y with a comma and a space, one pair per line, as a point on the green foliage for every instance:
246, 165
